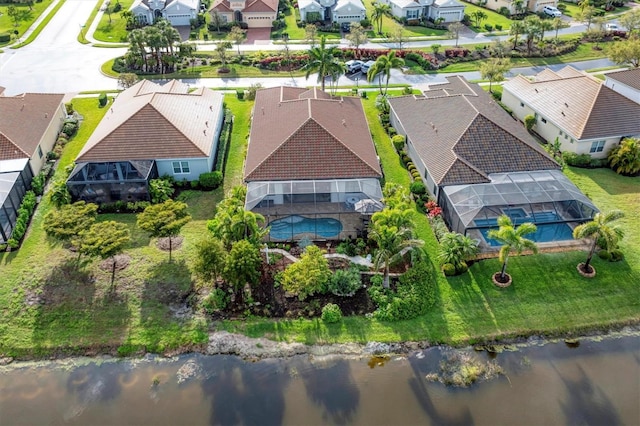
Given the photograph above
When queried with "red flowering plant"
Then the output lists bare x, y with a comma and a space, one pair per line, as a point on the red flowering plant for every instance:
436, 211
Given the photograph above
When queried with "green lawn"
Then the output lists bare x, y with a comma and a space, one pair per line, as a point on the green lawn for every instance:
389, 24
493, 18
296, 33
113, 29
7, 25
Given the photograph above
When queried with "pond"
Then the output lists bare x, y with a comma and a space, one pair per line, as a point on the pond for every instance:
596, 382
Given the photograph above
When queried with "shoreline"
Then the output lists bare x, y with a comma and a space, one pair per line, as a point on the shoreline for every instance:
255, 349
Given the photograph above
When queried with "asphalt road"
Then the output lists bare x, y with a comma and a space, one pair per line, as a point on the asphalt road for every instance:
55, 62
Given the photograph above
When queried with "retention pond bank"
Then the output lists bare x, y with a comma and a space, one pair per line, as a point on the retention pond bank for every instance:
590, 381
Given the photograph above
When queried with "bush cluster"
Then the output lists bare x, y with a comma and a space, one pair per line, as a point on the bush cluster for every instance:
345, 282
25, 211
215, 301
124, 207
583, 160
210, 180
331, 313
415, 294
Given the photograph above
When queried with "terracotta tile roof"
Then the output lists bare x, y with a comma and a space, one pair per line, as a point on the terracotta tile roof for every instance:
461, 138
629, 77
24, 119
294, 136
578, 104
144, 124
221, 6
250, 6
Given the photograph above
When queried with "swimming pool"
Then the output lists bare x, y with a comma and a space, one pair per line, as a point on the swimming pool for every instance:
288, 227
545, 233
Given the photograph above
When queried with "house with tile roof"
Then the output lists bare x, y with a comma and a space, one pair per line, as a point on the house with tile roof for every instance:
478, 162
335, 11
29, 127
311, 166
149, 131
255, 13
626, 82
177, 12
586, 116
530, 5
448, 10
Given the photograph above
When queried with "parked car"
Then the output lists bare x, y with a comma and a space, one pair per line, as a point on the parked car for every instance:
353, 66
552, 11
365, 67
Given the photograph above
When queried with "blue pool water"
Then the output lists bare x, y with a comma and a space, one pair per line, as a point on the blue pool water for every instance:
546, 231
288, 227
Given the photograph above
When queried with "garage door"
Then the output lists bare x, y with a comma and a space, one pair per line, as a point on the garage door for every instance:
179, 19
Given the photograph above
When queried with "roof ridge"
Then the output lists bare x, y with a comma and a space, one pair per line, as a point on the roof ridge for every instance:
14, 144
170, 121
589, 110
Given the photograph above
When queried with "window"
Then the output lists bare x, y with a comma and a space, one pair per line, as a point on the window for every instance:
522, 104
181, 167
561, 133
544, 120
597, 146
412, 14
39, 152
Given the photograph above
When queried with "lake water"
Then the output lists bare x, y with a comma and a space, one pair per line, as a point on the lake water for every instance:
596, 383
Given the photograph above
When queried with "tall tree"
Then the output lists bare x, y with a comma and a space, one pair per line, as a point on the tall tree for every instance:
222, 50
454, 31
626, 52
105, 240
587, 15
210, 258
357, 36
382, 68
217, 20
493, 70
242, 266
600, 229
478, 16
512, 238
517, 28
127, 79
237, 36
392, 243
380, 10
164, 220
398, 36
631, 20
309, 276
137, 45
625, 158
66, 223
311, 33
557, 24
322, 60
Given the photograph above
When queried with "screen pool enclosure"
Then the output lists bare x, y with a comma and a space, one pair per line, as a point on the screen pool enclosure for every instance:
546, 198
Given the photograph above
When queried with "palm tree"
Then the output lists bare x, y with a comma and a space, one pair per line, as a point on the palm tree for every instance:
382, 67
599, 229
398, 217
169, 34
517, 28
323, 60
392, 243
625, 158
380, 10
518, 6
512, 238
456, 249
137, 42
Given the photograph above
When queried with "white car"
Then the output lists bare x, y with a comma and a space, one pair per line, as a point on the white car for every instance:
612, 27
353, 65
366, 66
552, 11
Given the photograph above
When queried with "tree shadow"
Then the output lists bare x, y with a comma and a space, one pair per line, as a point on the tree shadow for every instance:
334, 390
609, 181
586, 403
245, 393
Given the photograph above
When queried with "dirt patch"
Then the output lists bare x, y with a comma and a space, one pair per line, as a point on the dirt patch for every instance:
173, 243
121, 261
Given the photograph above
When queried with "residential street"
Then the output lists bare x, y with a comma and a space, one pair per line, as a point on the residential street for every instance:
57, 63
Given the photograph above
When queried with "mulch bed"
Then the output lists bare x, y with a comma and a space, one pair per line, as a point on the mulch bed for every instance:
121, 262
176, 243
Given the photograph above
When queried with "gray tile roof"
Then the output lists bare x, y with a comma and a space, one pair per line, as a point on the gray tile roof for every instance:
299, 134
464, 136
24, 119
149, 121
578, 104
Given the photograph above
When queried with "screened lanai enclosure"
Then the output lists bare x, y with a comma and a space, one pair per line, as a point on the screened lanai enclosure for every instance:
112, 181
546, 198
316, 209
15, 181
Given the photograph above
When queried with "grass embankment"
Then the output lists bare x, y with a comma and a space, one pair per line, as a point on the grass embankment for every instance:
111, 28
7, 24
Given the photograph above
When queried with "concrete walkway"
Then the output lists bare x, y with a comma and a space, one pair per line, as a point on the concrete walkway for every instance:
359, 260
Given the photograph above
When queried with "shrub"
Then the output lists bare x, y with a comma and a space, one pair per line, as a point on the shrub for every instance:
331, 313
216, 301
616, 255
210, 180
102, 99
488, 27
70, 128
418, 188
576, 160
308, 276
345, 282
498, 27
462, 268
37, 183
529, 122
240, 94
392, 131
5, 37
398, 142
415, 294
449, 269
160, 190
604, 255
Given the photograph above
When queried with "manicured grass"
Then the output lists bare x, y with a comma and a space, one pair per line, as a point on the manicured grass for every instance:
114, 31
389, 24
41, 26
493, 18
296, 33
7, 24
241, 110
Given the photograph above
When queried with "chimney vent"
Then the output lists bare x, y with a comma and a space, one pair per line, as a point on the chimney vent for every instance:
344, 122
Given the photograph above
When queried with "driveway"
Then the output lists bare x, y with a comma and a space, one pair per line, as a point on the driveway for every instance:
259, 35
